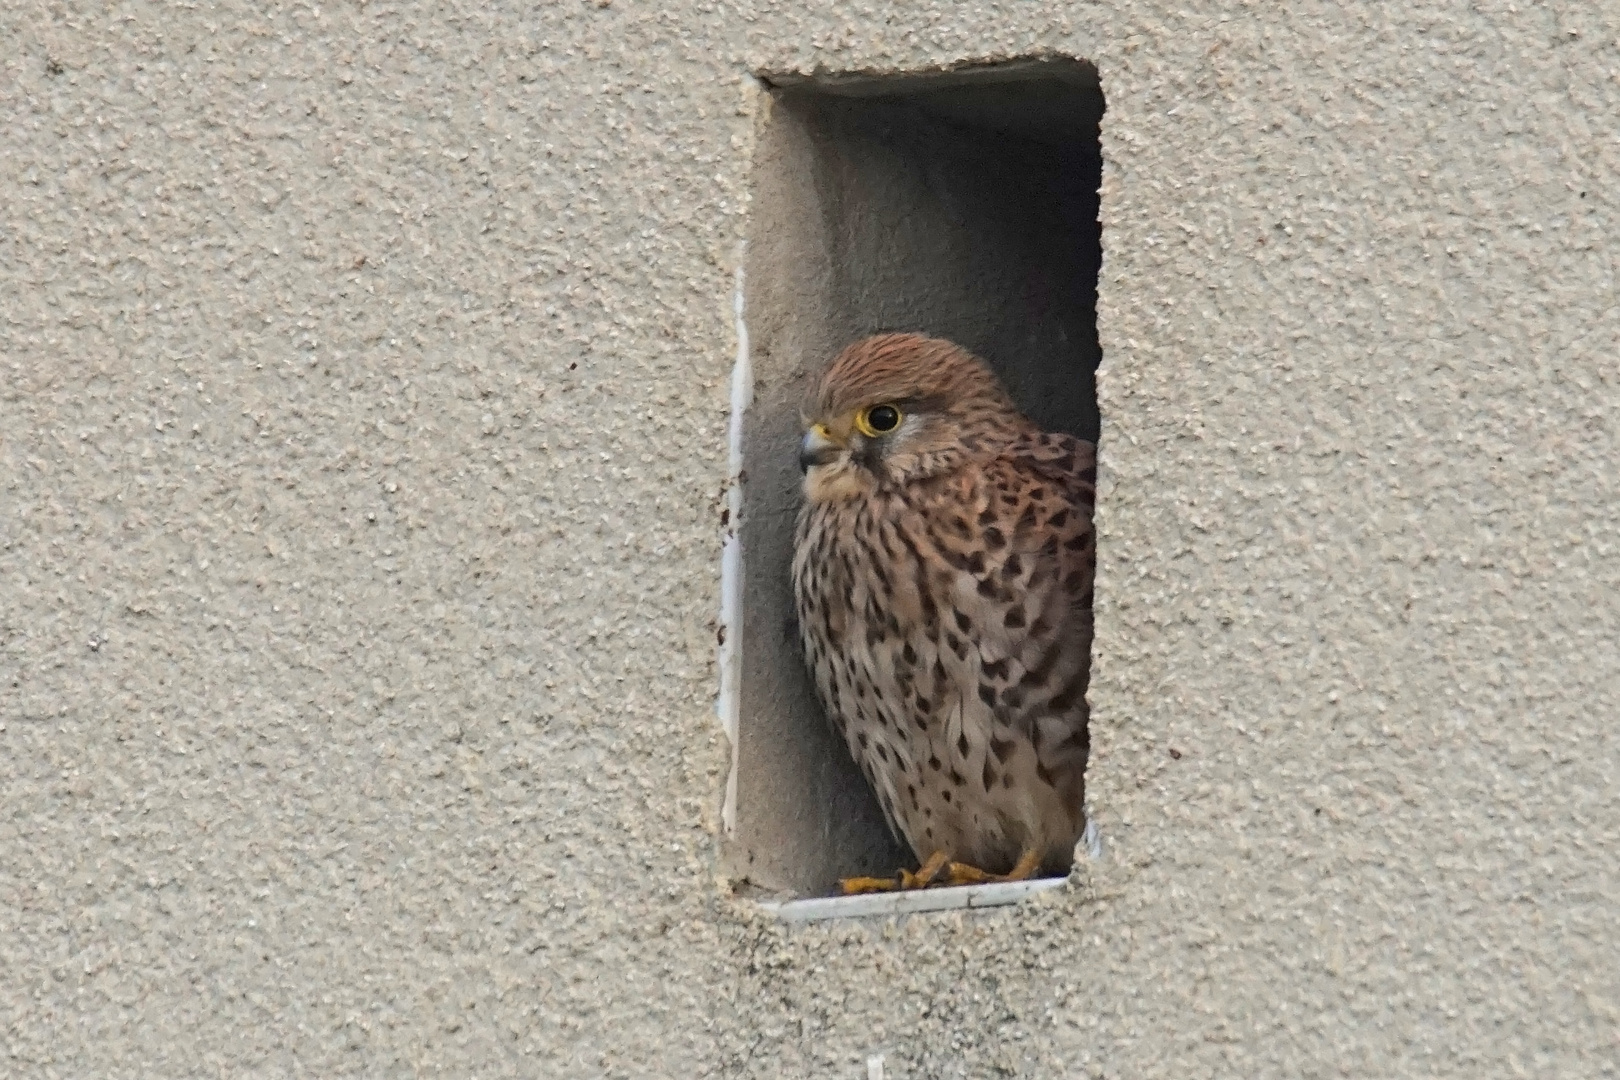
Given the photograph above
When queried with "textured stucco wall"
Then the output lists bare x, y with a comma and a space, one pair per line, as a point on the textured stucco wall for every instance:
361, 439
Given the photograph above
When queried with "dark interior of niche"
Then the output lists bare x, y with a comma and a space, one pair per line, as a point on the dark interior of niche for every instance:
962, 204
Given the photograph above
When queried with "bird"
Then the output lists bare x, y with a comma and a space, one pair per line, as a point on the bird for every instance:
942, 575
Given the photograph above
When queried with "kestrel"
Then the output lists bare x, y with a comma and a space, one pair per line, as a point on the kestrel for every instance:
942, 571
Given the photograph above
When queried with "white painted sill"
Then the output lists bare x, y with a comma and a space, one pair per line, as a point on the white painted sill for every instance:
951, 898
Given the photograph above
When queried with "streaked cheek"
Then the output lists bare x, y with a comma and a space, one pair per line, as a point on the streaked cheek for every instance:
836, 481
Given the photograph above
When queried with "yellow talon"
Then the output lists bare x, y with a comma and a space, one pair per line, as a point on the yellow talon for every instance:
963, 874
926, 875
939, 870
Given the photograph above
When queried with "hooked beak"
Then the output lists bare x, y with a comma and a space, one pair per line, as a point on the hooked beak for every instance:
818, 447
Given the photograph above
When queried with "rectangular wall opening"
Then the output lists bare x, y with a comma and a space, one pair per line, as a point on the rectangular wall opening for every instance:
961, 204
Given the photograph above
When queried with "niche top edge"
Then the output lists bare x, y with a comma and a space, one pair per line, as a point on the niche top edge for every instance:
1081, 74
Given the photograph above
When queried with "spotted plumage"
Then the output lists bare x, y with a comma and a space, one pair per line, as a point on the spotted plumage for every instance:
943, 574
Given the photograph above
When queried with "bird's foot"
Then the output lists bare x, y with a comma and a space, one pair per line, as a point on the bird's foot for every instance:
939, 870
962, 874
927, 874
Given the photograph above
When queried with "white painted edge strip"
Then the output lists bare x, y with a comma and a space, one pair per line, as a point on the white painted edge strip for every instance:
729, 704
867, 905
1090, 839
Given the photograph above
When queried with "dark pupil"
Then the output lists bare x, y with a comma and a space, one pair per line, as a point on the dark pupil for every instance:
883, 418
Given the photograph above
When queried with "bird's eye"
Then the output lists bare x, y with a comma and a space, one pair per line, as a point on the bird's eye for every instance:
878, 420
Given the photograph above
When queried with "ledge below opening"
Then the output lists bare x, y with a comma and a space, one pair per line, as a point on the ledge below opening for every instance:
950, 898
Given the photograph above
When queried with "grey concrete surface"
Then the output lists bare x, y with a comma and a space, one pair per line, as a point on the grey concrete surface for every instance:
362, 430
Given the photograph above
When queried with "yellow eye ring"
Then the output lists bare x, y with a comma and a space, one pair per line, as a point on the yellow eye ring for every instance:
878, 421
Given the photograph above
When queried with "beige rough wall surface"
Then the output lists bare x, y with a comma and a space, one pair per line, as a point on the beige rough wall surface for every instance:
361, 431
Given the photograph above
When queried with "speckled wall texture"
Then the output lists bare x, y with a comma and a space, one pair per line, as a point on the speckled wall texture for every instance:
363, 393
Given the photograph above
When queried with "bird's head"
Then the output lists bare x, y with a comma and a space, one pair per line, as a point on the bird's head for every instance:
896, 408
